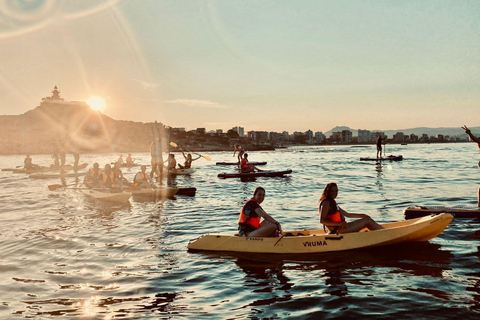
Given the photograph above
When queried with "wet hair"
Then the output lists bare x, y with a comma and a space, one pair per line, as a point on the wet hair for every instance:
256, 190
326, 192
245, 155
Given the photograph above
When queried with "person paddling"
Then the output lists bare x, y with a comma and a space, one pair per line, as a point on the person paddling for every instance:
188, 161
477, 140
333, 217
28, 164
129, 160
379, 146
249, 224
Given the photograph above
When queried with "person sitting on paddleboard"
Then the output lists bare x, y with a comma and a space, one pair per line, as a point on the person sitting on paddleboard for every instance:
240, 150
129, 160
142, 179
477, 140
27, 163
333, 217
188, 161
246, 167
92, 178
249, 224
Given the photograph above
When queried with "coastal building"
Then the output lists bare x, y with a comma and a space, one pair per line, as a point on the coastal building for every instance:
399, 137
364, 136
319, 137
240, 131
346, 136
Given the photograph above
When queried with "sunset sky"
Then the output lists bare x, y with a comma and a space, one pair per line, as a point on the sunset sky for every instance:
263, 65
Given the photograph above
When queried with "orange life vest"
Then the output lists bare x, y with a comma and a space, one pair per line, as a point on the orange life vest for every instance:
143, 177
245, 217
244, 164
106, 178
333, 214
92, 175
188, 163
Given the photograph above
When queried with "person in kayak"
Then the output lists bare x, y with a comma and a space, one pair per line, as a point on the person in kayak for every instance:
379, 146
477, 140
142, 179
333, 217
246, 167
240, 150
92, 178
118, 175
108, 178
188, 161
249, 224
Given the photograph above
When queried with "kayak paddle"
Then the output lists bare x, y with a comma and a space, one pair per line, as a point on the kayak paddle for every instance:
173, 144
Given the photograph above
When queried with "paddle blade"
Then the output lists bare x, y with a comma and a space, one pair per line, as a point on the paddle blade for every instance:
173, 144
54, 187
207, 158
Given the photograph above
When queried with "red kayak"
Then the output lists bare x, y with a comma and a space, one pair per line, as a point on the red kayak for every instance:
255, 174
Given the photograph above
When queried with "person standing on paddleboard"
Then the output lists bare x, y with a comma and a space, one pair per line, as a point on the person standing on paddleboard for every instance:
333, 217
240, 150
156, 152
379, 146
477, 140
249, 224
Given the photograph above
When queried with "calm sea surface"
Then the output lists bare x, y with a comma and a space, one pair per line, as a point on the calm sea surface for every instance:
63, 255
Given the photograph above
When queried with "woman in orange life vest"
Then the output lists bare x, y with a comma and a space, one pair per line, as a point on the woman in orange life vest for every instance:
188, 161
333, 217
240, 150
142, 179
249, 221
108, 178
92, 178
245, 167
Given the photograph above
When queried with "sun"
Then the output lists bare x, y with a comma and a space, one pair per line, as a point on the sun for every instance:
96, 103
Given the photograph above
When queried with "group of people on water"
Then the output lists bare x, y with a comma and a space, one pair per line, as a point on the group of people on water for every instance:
255, 222
59, 160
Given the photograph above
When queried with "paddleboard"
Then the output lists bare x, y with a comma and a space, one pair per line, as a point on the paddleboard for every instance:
388, 158
254, 174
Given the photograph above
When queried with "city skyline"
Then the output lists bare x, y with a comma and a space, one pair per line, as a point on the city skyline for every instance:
270, 66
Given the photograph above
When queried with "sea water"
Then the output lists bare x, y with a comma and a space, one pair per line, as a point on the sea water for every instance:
64, 255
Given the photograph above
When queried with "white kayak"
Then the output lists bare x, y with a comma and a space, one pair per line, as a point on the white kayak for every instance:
107, 195
182, 171
57, 175
317, 241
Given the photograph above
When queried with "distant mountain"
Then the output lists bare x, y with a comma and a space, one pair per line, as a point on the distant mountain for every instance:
57, 126
450, 131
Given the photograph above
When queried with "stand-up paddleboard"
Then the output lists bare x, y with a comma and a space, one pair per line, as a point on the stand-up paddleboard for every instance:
186, 192
236, 163
456, 211
388, 158
255, 174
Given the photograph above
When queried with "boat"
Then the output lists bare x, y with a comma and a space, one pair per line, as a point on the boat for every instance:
456, 211
388, 158
56, 175
254, 174
182, 171
158, 192
237, 163
50, 169
107, 195
317, 241
130, 165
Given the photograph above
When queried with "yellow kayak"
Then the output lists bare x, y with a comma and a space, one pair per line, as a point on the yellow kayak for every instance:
181, 171
317, 241
159, 192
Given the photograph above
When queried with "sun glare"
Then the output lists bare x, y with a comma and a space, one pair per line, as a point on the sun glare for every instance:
96, 103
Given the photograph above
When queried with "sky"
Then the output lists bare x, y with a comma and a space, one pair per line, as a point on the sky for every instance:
263, 65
